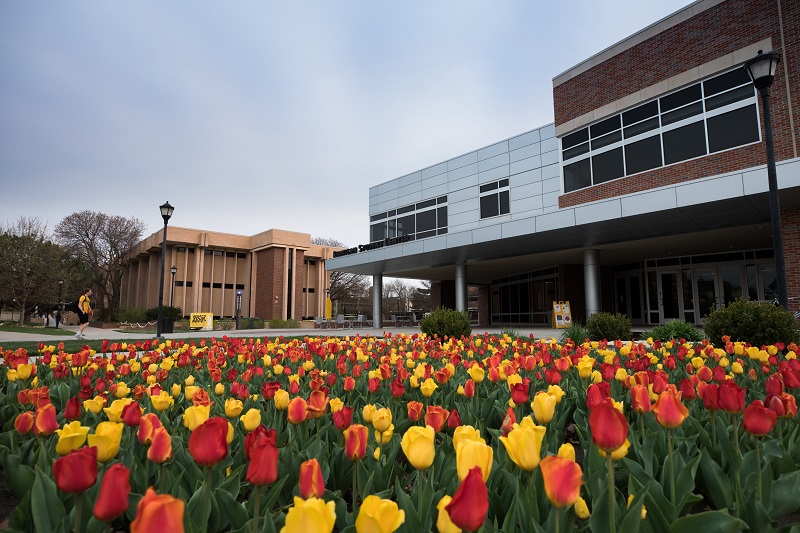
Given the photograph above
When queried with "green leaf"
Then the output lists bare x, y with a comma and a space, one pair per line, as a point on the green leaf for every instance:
47, 509
717, 484
19, 477
233, 511
709, 522
785, 492
412, 522
633, 516
685, 483
197, 512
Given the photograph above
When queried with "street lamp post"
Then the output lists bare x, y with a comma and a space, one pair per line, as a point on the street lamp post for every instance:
60, 286
173, 271
166, 213
761, 70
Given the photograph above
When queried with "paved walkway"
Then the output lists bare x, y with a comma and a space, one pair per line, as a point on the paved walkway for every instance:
99, 333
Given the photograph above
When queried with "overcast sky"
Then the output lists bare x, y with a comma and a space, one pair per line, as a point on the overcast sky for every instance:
250, 115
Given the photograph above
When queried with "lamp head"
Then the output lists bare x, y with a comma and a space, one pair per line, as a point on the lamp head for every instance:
174, 270
761, 68
166, 211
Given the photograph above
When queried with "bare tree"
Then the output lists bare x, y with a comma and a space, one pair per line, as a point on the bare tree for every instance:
345, 289
396, 295
101, 241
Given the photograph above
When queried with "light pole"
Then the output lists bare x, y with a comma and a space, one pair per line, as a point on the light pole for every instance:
173, 271
761, 70
166, 213
60, 286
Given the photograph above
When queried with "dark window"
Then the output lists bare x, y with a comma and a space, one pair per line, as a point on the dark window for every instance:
489, 206
178, 283
731, 129
643, 155
310, 289
312, 262
426, 234
441, 231
207, 251
726, 81
640, 113
576, 151
426, 203
405, 225
230, 254
574, 139
406, 209
391, 213
736, 95
241, 255
441, 217
607, 166
505, 207
641, 127
229, 285
426, 220
684, 143
216, 285
206, 285
377, 232
605, 140
489, 187
181, 249
682, 113
605, 126
502, 183
217, 253
441, 200
682, 97
577, 175
381, 216
191, 250
188, 283
392, 227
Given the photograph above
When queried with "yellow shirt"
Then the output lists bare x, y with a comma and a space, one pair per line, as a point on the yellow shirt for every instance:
85, 305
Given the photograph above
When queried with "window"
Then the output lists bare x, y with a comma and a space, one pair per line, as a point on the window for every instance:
229, 286
240, 286
241, 255
216, 285
178, 283
206, 284
207, 251
230, 254
494, 199
716, 114
417, 221
181, 249
191, 250
188, 283
217, 253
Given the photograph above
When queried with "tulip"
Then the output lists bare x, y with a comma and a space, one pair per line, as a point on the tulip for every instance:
619, 453
281, 399
114, 491
312, 514
368, 412
544, 407
731, 397
263, 467
251, 419
312, 485
336, 404
106, 438
443, 522
463, 433
385, 437
343, 418
670, 411
317, 404
758, 420
567, 451
23, 423
562, 480
472, 453
114, 411
161, 402
160, 450
414, 410
582, 510
72, 411
297, 410
132, 414
640, 399
524, 444
379, 516
382, 419
208, 443
469, 389
355, 442
195, 415
470, 503
158, 512
147, 427
44, 421
476, 372
233, 407
76, 471
428, 387
436, 417
609, 427
418, 446
71, 437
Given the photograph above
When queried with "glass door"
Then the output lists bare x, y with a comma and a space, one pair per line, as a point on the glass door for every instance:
707, 296
629, 297
669, 296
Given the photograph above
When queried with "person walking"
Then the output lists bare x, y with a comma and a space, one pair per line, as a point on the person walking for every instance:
57, 316
84, 311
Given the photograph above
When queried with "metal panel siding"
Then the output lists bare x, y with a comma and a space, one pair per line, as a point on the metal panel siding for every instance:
524, 139
414, 247
385, 206
387, 196
489, 233
525, 152
549, 145
462, 161
387, 186
409, 199
709, 190
464, 217
459, 239
431, 192
433, 181
526, 191
492, 151
551, 185
564, 218
434, 170
526, 164
586, 214
648, 202
408, 179
467, 227
409, 189
461, 195
550, 200
551, 171
755, 181
493, 174
548, 131
526, 206
493, 162
457, 185
461, 172
529, 176
515, 228
550, 158
434, 243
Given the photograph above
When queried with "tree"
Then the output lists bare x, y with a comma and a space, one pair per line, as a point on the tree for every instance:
397, 294
31, 266
344, 288
101, 241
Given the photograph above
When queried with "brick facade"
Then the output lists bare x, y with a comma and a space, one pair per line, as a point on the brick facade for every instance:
790, 220
269, 283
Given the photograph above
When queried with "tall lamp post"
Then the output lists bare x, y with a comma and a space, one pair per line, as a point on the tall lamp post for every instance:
761, 70
166, 213
60, 286
173, 271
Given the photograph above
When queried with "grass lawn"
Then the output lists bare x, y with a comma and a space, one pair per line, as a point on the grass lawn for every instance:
39, 330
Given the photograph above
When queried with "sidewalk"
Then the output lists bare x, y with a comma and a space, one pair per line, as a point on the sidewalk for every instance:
91, 333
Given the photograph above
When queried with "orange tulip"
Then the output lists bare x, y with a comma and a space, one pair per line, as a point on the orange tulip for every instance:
562, 480
76, 471
670, 411
640, 399
609, 427
147, 428
208, 443
45, 422
414, 410
311, 483
297, 411
114, 491
436, 417
158, 512
355, 442
23, 424
470, 503
317, 404
161, 447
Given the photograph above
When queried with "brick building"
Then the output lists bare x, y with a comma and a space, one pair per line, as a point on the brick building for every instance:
648, 194
279, 273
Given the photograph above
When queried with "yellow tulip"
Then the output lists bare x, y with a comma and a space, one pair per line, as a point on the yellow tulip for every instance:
558, 392
24, 371
114, 411
312, 514
189, 380
382, 419
335, 404
443, 522
136, 366
377, 515
427, 387
281, 399
195, 415
71, 437
630, 500
736, 367
418, 445
219, 389
230, 435
620, 452
152, 368
94, 405
107, 436
386, 436
524, 444
121, 390
367, 412
233, 407
251, 419
567, 451
544, 407
463, 433
162, 402
582, 510
472, 453
476, 372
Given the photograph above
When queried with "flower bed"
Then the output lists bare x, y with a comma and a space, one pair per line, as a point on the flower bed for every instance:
405, 433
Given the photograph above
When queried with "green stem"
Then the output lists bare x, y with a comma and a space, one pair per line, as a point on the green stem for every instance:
641, 425
420, 482
736, 437
78, 512
108, 527
612, 500
558, 519
207, 498
758, 463
714, 427
355, 489
256, 513
671, 467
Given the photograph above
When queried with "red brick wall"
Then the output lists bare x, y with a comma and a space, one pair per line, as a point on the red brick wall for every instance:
299, 283
483, 305
720, 30
269, 283
790, 221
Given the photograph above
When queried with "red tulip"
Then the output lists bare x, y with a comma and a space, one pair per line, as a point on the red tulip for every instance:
710, 395
23, 424
562, 480
76, 471
454, 420
469, 389
436, 417
161, 446
731, 397
114, 491
132, 414
670, 411
508, 422
687, 389
269, 388
148, 424
263, 467
789, 405
609, 427
297, 410
311, 483
470, 503
758, 420
343, 418
349, 383
208, 443
260, 432
157, 513
414, 410
597, 393
640, 399
44, 421
73, 409
355, 442
398, 388
520, 392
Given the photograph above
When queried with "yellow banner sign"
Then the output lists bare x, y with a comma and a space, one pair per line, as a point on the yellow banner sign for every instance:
203, 321
562, 315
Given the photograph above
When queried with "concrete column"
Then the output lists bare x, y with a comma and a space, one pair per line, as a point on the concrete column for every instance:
591, 281
461, 287
377, 300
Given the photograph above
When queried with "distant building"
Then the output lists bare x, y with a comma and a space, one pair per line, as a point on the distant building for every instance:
279, 273
647, 195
